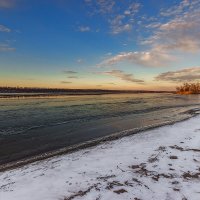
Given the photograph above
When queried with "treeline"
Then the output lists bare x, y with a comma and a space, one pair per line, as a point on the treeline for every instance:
189, 88
52, 91
70, 91
41, 90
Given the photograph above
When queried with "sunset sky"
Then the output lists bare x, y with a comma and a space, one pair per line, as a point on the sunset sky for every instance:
103, 44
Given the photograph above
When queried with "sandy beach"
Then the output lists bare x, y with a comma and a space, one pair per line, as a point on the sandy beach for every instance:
163, 163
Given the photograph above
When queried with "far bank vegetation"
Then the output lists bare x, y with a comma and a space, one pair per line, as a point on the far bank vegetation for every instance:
188, 88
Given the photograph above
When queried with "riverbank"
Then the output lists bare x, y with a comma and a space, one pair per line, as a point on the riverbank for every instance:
162, 163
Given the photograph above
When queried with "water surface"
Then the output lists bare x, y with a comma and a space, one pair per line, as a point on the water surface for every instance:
33, 125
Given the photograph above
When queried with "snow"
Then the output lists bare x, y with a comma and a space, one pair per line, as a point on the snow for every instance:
162, 163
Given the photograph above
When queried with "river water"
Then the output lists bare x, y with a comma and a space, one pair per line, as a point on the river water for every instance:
30, 126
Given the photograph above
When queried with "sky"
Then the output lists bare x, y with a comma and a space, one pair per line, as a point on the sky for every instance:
101, 44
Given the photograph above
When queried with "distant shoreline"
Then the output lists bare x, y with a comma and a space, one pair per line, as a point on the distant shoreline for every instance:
6, 92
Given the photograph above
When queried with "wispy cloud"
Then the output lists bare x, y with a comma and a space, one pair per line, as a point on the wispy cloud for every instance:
119, 18
176, 32
84, 28
6, 47
179, 8
153, 58
123, 76
4, 29
180, 30
73, 77
80, 60
185, 75
7, 3
118, 26
125, 21
102, 6
69, 72
66, 82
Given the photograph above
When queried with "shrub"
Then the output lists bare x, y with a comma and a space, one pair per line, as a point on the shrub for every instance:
189, 88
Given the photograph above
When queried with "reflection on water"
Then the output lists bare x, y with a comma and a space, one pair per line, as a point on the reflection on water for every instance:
29, 126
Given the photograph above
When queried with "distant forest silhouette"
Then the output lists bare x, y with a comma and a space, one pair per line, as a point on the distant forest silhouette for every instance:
69, 91
189, 88
43, 90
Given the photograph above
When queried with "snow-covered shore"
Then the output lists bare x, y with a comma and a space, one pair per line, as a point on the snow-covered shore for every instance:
163, 163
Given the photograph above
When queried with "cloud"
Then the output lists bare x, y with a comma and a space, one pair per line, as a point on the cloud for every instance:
120, 16
72, 77
7, 3
84, 29
80, 60
125, 21
176, 31
180, 30
69, 72
178, 9
154, 58
66, 82
102, 6
123, 76
185, 75
4, 29
6, 47
117, 25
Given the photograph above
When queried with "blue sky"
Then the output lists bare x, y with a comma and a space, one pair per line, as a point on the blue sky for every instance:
105, 44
